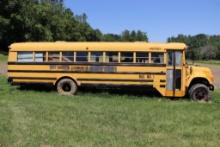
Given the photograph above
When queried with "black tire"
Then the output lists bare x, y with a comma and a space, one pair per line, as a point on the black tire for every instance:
199, 92
67, 87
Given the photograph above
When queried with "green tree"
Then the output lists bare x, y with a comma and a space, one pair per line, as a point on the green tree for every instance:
125, 36
133, 36
111, 37
201, 46
34, 20
31, 20
208, 52
82, 18
141, 36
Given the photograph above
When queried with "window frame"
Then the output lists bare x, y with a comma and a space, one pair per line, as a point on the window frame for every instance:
112, 57
72, 59
59, 56
44, 56
174, 54
92, 56
25, 52
162, 59
127, 57
143, 58
86, 57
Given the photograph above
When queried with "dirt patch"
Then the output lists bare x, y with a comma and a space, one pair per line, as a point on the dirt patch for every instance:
3, 68
216, 72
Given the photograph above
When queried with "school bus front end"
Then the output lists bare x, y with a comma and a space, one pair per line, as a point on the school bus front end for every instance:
199, 80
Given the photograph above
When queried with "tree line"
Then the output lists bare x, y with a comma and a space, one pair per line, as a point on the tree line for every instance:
43, 20
34, 20
201, 46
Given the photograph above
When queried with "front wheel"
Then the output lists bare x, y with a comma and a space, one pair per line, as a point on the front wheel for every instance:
199, 92
66, 87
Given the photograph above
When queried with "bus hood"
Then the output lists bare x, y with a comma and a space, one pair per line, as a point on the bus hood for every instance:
203, 71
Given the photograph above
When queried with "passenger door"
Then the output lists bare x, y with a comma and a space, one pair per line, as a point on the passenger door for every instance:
174, 73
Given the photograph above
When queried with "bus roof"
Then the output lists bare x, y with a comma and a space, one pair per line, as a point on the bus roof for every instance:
95, 46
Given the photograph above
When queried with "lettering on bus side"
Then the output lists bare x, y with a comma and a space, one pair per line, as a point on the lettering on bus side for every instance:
69, 68
84, 68
146, 76
103, 69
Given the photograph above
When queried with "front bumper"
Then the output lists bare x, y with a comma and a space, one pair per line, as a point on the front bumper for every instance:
211, 87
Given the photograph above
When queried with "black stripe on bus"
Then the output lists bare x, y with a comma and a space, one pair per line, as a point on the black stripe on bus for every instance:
111, 84
115, 80
162, 86
82, 79
163, 81
88, 64
32, 78
86, 72
31, 82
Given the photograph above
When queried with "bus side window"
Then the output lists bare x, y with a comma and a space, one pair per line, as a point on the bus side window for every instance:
96, 57
127, 57
25, 57
67, 56
112, 57
40, 57
157, 58
142, 57
53, 56
81, 56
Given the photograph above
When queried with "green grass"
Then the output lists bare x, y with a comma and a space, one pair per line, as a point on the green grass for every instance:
3, 58
38, 118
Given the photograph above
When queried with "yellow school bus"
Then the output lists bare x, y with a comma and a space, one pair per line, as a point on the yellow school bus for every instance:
68, 65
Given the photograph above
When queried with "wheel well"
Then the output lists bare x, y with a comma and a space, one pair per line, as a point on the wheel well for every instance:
199, 80
65, 77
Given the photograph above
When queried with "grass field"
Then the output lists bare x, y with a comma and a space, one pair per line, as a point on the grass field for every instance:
40, 118
3, 57
43, 118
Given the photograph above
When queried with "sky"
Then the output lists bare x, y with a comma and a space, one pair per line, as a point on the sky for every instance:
160, 19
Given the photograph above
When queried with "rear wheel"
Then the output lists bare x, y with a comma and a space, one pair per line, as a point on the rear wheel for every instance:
199, 92
66, 87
